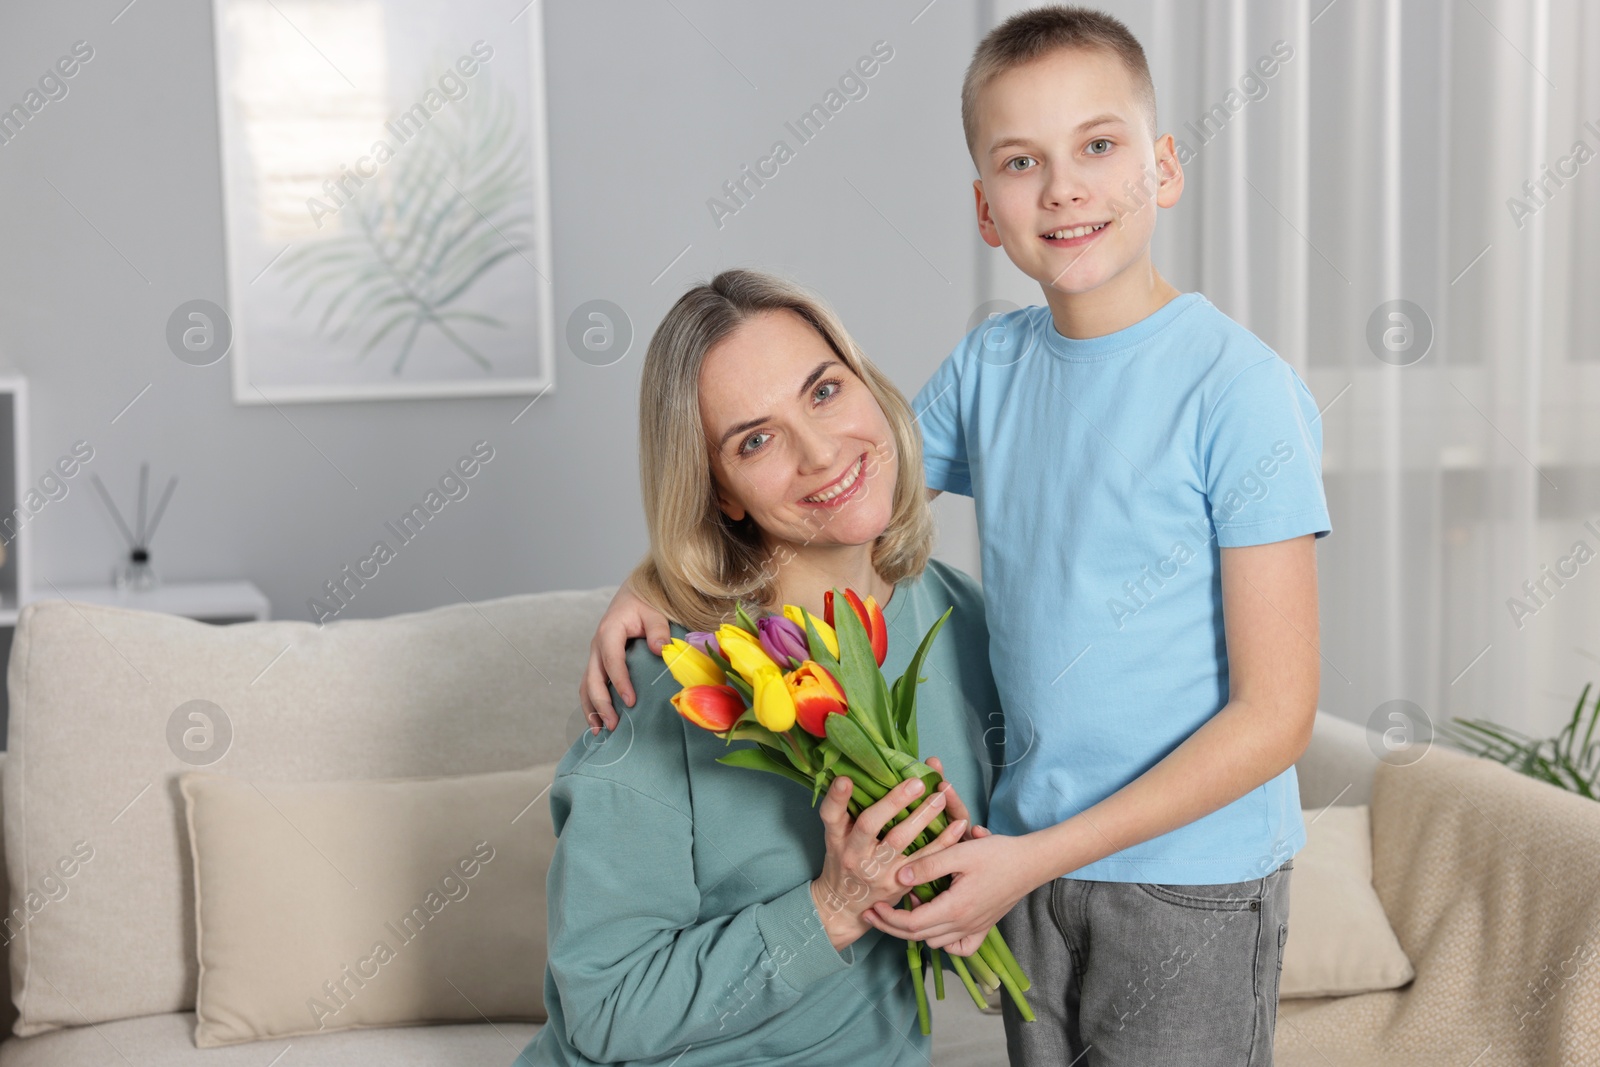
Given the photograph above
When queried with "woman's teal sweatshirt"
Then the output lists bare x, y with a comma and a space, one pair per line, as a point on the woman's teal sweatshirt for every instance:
682, 929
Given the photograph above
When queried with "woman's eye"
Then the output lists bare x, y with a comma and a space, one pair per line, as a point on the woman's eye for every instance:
1100, 141
753, 442
826, 391
1018, 163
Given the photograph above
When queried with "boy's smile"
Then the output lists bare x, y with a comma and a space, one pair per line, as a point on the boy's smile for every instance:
1070, 178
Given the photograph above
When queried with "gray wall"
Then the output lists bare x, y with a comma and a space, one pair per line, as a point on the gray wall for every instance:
112, 217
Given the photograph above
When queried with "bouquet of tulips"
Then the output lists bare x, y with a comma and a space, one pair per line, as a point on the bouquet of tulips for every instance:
757, 679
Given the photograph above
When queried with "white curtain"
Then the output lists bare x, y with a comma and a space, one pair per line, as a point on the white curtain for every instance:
1384, 159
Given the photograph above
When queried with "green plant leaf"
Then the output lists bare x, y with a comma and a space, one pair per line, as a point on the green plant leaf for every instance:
906, 766
819, 647
865, 689
741, 687
747, 729
1557, 761
760, 759
854, 742
905, 688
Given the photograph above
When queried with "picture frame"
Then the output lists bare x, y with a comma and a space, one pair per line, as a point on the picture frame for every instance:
385, 199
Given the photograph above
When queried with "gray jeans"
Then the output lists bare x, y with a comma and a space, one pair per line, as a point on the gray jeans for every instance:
1128, 974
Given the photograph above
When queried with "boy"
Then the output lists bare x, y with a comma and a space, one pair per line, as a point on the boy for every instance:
1147, 481
1147, 478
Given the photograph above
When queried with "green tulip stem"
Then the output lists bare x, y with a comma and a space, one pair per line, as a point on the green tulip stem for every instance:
1010, 983
965, 975
982, 971
914, 961
938, 973
1003, 951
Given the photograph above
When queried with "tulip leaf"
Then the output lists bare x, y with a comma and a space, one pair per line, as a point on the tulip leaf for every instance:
907, 767
747, 729
759, 759
899, 698
854, 742
864, 687
905, 689
829, 753
743, 620
819, 647
807, 746
741, 687
862, 781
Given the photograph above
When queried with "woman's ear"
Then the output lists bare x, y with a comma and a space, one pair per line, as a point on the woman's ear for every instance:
729, 507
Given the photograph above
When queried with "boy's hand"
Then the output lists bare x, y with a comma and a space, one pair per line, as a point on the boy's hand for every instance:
627, 616
991, 874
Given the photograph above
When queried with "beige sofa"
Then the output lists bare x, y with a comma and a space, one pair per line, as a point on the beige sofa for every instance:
107, 973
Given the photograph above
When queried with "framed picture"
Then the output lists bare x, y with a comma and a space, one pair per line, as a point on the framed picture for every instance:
386, 198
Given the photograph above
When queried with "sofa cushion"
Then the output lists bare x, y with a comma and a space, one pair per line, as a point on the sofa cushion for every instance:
1340, 941
168, 1040
96, 693
340, 905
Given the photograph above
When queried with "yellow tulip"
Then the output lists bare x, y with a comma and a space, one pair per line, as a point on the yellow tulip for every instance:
798, 616
774, 704
690, 666
748, 659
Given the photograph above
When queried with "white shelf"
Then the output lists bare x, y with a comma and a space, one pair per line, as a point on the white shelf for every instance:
195, 600
17, 481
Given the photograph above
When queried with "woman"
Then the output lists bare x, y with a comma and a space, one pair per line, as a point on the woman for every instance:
702, 914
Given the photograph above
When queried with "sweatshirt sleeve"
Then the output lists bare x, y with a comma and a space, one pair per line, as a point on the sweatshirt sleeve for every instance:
638, 975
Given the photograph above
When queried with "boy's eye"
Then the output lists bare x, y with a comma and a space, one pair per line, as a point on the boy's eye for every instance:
1017, 163
1100, 141
753, 442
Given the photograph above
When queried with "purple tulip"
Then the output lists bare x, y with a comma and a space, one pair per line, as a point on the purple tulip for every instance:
705, 642
783, 640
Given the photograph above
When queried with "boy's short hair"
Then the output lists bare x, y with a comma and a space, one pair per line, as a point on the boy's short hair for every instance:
1028, 35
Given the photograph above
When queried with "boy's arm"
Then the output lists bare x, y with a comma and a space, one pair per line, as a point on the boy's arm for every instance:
1269, 597
626, 616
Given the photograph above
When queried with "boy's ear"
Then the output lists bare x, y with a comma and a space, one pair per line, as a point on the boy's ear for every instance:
1169, 186
986, 226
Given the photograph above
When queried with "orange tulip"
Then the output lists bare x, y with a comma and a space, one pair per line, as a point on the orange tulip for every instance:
871, 617
710, 707
817, 695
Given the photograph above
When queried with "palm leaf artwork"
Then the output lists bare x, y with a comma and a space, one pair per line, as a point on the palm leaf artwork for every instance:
443, 212
1563, 761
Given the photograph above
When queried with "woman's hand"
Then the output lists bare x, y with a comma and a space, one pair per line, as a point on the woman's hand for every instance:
859, 869
955, 806
626, 616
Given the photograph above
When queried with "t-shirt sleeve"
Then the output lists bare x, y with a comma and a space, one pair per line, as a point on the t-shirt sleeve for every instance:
1262, 452
944, 445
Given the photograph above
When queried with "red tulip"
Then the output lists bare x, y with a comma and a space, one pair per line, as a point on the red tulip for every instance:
817, 695
710, 707
871, 617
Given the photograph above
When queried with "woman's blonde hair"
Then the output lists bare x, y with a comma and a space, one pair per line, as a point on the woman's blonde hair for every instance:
701, 563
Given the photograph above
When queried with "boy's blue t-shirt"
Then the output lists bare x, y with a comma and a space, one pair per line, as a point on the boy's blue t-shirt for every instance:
1108, 473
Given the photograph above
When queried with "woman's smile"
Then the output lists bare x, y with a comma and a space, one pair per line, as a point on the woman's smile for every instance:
841, 489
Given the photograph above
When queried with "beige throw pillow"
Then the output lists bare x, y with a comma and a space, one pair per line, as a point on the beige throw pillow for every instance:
345, 905
1340, 941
